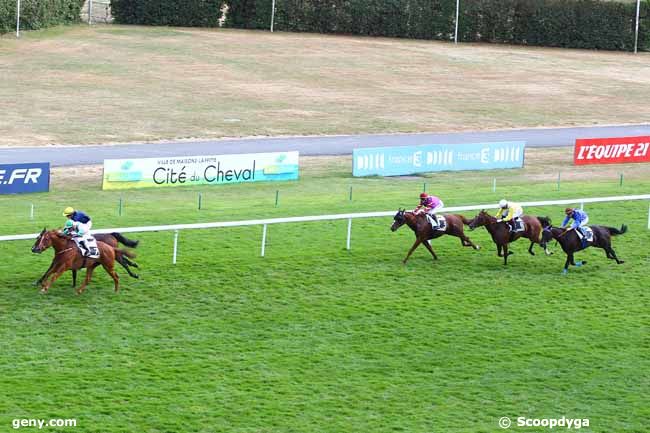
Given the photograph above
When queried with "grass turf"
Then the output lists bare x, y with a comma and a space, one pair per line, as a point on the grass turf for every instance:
314, 338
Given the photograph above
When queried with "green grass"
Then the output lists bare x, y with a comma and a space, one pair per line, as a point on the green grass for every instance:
108, 83
313, 338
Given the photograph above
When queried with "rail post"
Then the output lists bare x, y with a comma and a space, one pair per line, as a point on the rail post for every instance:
263, 240
349, 233
175, 246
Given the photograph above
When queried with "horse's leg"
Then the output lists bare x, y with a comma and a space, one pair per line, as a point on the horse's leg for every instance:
415, 245
499, 250
569, 260
506, 253
58, 270
466, 242
111, 271
610, 250
89, 275
74, 278
428, 245
125, 264
530, 248
39, 282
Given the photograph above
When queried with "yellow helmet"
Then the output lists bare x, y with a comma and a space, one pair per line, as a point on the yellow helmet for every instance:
68, 211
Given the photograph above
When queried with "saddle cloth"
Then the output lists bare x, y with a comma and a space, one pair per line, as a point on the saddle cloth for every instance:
519, 225
442, 223
91, 245
588, 234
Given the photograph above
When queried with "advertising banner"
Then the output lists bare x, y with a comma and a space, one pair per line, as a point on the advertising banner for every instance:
24, 178
199, 170
618, 150
396, 161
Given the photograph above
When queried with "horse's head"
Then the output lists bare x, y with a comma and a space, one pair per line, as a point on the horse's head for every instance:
43, 242
483, 218
398, 220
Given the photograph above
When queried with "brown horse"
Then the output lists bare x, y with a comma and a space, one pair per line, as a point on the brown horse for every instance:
67, 256
571, 243
112, 239
502, 236
424, 232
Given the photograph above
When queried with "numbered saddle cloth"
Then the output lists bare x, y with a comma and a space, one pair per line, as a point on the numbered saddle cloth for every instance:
588, 234
519, 225
92, 250
442, 222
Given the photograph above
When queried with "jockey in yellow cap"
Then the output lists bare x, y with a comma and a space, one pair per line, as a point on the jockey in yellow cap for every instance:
78, 226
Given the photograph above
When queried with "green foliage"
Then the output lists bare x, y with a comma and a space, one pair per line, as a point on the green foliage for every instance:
185, 13
591, 24
38, 14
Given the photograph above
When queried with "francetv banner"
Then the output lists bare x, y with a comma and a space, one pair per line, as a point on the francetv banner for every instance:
395, 161
619, 150
199, 170
23, 178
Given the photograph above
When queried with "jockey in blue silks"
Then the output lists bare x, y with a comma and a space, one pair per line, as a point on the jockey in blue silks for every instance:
579, 217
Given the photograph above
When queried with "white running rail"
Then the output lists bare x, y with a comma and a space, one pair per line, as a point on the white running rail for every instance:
348, 216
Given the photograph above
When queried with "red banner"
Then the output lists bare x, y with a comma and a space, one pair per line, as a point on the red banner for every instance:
618, 150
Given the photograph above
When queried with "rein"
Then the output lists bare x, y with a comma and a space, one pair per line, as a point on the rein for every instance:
63, 251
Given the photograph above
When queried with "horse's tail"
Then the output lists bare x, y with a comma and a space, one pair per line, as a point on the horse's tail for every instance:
544, 221
124, 241
463, 219
129, 254
614, 231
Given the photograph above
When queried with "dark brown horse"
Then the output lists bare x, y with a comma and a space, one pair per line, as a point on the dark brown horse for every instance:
571, 243
502, 236
67, 256
424, 232
112, 239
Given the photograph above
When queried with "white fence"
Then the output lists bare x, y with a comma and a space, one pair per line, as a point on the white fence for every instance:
350, 216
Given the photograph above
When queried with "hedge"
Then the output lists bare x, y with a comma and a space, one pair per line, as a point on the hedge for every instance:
591, 24
38, 14
184, 13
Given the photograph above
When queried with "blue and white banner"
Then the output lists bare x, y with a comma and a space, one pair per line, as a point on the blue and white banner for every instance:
396, 161
23, 178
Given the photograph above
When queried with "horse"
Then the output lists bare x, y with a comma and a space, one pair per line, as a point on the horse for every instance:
502, 236
111, 239
424, 232
571, 243
68, 257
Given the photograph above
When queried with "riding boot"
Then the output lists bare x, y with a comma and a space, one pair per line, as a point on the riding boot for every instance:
84, 249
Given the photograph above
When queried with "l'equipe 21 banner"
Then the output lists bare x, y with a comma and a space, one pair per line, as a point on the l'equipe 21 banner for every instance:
24, 178
396, 161
618, 150
199, 170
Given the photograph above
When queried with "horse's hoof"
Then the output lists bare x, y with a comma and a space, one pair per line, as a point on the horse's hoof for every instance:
43, 291
620, 262
478, 247
565, 271
578, 264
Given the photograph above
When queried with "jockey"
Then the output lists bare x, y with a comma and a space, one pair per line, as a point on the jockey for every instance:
429, 204
579, 217
78, 226
510, 212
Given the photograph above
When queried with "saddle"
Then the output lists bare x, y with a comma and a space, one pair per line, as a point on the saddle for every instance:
442, 222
